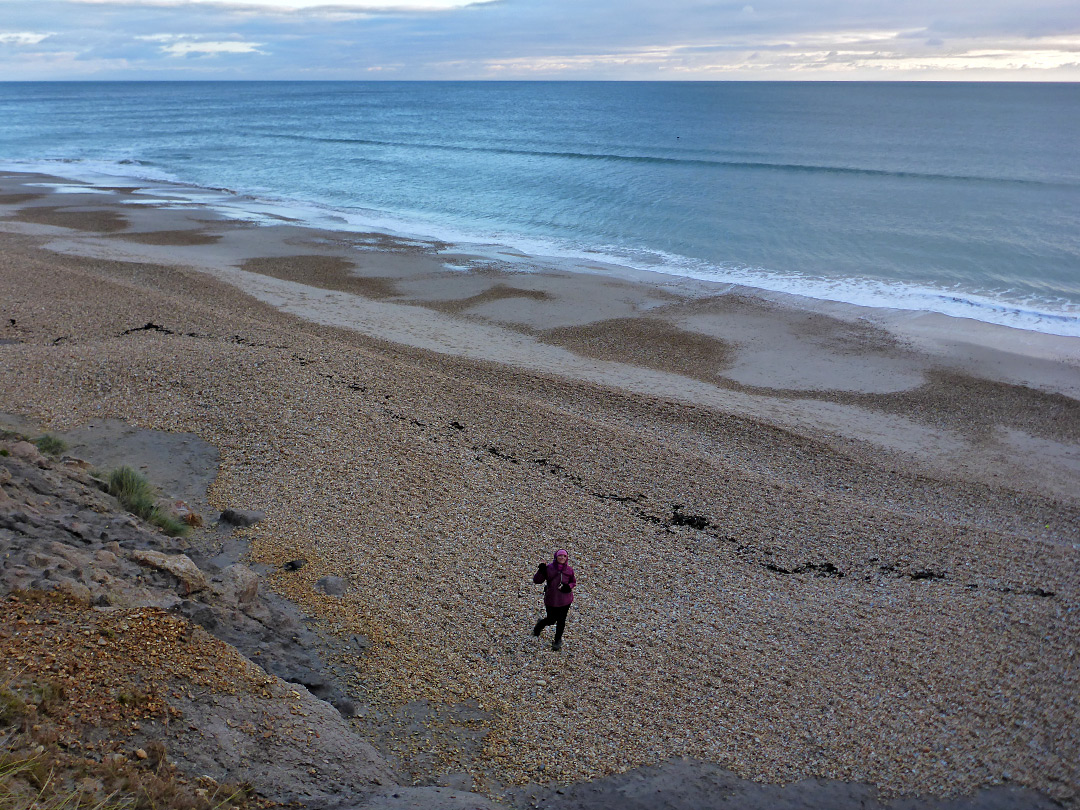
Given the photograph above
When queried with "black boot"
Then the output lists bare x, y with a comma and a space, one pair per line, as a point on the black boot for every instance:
538, 628
556, 645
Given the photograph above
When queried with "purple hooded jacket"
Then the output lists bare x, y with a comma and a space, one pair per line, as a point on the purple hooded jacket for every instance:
557, 575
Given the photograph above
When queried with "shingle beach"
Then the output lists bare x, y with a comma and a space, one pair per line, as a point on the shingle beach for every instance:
808, 544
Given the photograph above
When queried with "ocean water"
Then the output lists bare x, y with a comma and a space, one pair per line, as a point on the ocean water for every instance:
959, 198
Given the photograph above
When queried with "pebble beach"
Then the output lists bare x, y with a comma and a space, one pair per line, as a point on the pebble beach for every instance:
809, 542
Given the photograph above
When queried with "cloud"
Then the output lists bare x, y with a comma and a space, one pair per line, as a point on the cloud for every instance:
22, 38
188, 44
189, 48
536, 39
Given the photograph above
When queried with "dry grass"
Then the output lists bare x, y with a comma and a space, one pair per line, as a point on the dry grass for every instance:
39, 770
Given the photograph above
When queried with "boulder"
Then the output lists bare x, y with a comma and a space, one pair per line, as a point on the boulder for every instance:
179, 565
242, 517
27, 452
332, 586
76, 590
239, 584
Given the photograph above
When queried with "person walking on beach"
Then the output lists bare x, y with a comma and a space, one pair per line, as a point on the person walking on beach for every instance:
559, 581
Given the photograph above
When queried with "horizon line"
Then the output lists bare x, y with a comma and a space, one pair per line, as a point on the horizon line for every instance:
556, 80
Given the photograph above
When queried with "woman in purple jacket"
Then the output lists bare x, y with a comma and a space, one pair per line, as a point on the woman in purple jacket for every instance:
558, 594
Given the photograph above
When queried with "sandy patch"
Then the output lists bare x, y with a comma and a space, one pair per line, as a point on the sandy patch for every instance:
15, 199
171, 237
497, 292
647, 342
788, 349
326, 272
101, 220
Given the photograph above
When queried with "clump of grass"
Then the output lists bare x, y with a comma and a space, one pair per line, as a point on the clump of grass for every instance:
132, 490
169, 524
50, 445
12, 706
135, 494
4, 451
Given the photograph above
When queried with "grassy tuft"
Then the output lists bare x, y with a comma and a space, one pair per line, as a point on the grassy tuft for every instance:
42, 782
50, 445
41, 791
4, 451
169, 523
12, 706
135, 494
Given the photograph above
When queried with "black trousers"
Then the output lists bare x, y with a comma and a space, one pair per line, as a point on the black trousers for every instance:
557, 617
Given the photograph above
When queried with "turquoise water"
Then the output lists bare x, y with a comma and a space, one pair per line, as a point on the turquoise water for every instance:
959, 198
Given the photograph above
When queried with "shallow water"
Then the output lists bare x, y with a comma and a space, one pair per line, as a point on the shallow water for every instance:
958, 198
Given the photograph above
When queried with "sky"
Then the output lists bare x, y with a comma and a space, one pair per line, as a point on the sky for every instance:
963, 40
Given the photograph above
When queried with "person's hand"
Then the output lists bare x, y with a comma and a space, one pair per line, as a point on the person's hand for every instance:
542, 567
564, 588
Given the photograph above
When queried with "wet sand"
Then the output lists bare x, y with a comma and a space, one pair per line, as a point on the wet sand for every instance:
813, 540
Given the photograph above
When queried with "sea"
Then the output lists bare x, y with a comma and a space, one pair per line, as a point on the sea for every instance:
959, 198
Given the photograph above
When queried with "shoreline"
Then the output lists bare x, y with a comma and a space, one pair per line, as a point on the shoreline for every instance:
927, 328
820, 369
533, 253
827, 511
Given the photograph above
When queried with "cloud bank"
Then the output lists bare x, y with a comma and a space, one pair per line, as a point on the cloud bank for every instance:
539, 39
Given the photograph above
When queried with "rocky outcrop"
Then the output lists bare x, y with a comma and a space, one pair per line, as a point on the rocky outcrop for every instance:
179, 565
27, 452
237, 585
313, 757
60, 532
